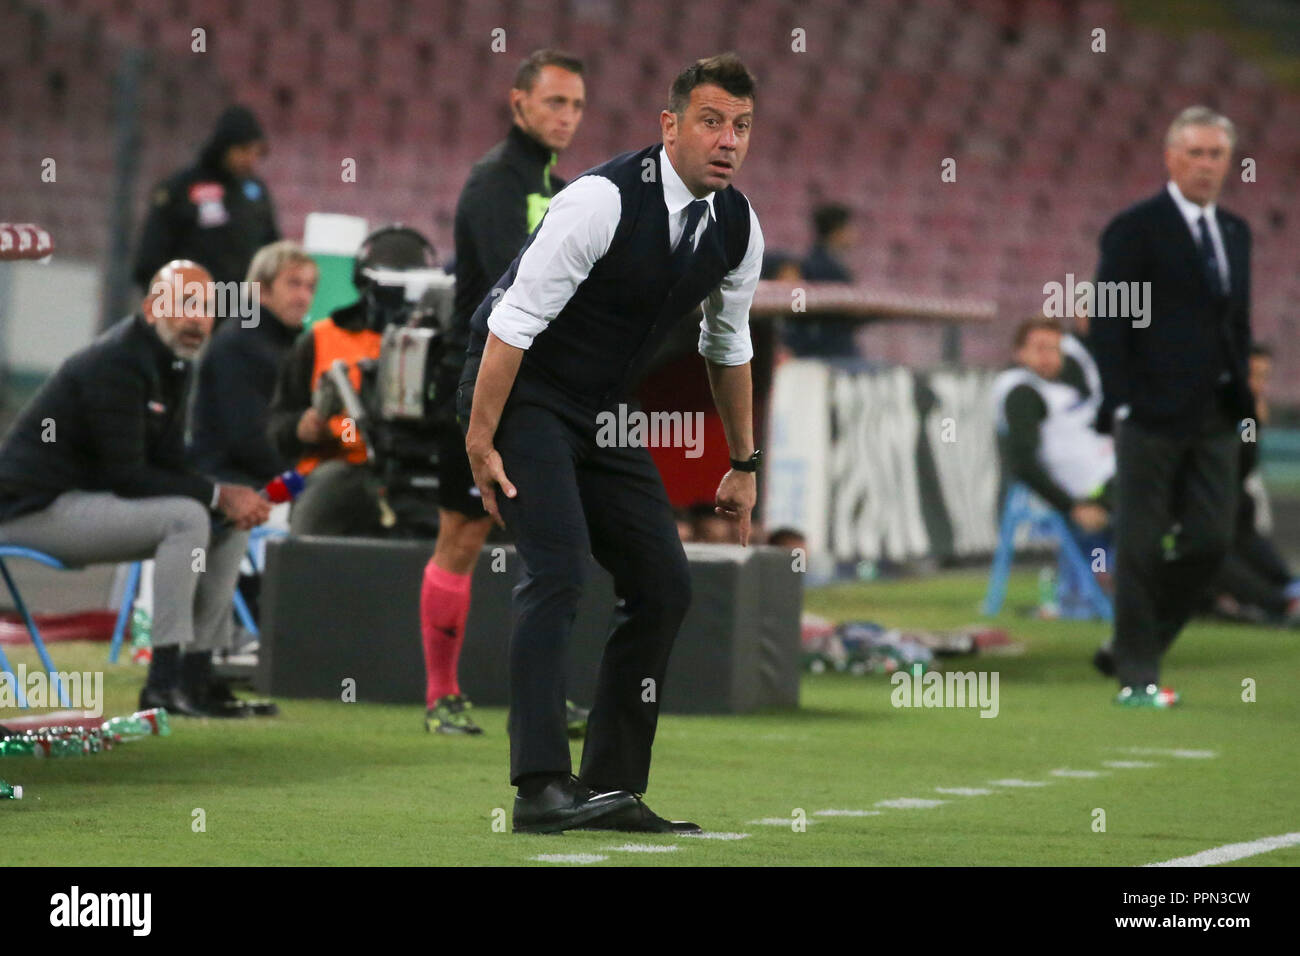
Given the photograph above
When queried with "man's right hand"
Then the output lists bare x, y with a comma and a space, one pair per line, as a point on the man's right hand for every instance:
1089, 516
312, 428
489, 472
243, 506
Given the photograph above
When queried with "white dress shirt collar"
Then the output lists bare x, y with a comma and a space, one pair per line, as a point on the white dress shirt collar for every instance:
1191, 212
676, 196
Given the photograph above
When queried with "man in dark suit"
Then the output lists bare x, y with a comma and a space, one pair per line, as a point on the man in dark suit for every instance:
1174, 372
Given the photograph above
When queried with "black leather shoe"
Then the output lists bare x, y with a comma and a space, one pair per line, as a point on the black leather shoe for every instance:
639, 818
567, 805
173, 700
1104, 661
233, 711
221, 697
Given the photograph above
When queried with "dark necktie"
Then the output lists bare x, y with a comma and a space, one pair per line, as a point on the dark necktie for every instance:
1209, 259
685, 245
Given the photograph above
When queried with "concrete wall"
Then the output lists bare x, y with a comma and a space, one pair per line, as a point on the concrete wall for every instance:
47, 312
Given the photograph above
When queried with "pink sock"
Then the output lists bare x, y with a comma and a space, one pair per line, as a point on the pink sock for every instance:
444, 605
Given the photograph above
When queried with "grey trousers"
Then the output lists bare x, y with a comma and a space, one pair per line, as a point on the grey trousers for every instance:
195, 567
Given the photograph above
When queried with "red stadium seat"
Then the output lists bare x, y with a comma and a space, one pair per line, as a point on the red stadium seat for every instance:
1010, 89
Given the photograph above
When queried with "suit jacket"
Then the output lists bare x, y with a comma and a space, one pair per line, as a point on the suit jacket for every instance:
1169, 373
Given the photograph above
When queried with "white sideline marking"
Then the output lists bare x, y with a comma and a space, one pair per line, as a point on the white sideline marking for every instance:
964, 791
1234, 851
1014, 782
910, 803
775, 821
643, 848
1164, 752
846, 813
1085, 774
1129, 764
570, 858
715, 836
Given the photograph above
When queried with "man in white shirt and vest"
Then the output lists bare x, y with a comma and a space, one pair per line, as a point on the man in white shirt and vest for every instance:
623, 253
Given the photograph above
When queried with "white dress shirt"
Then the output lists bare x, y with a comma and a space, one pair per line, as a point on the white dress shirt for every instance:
1192, 213
578, 230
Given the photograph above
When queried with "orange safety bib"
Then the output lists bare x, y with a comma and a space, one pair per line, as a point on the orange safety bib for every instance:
333, 343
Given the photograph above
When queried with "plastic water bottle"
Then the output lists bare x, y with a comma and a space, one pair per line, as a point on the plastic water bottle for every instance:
141, 636
41, 746
10, 791
59, 747
1047, 606
17, 747
142, 618
56, 742
145, 723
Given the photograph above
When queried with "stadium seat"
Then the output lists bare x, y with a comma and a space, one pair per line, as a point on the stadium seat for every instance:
31, 554
1078, 593
998, 80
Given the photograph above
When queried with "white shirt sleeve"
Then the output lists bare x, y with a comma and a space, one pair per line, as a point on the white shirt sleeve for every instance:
577, 230
724, 332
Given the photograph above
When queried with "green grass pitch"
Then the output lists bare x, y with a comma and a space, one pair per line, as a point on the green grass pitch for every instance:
362, 784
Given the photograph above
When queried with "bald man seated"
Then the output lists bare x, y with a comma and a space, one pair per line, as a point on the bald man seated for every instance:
93, 471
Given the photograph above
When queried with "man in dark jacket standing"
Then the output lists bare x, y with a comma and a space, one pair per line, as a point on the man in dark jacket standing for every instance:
94, 471
1173, 370
216, 212
505, 197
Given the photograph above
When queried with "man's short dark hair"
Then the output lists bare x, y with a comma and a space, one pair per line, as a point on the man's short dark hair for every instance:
724, 70
1035, 323
785, 537
774, 261
1260, 350
828, 217
531, 68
